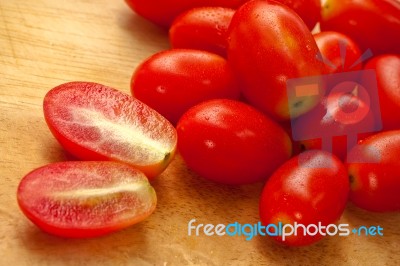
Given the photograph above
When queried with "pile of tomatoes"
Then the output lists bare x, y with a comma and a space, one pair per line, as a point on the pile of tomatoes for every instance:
247, 94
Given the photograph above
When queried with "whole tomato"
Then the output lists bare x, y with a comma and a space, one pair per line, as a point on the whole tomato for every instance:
163, 12
372, 24
172, 81
310, 189
268, 44
230, 142
330, 44
202, 28
387, 68
374, 167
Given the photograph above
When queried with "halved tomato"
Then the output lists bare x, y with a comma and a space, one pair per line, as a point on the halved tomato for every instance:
85, 199
96, 122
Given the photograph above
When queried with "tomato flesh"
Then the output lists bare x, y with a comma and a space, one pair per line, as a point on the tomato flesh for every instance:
85, 199
96, 122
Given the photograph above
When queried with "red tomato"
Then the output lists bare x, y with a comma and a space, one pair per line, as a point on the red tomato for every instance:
330, 43
95, 122
387, 68
264, 50
372, 24
331, 125
309, 189
230, 142
308, 10
163, 12
203, 28
85, 199
374, 168
173, 81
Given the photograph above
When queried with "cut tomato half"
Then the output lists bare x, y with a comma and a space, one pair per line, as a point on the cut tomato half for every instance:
85, 199
96, 122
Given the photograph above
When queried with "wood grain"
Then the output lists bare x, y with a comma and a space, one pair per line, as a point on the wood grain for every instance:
44, 43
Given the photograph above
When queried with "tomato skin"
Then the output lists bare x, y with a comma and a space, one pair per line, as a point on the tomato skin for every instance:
374, 168
163, 12
173, 81
203, 28
268, 44
230, 142
309, 189
387, 68
308, 10
328, 43
96, 123
80, 199
372, 24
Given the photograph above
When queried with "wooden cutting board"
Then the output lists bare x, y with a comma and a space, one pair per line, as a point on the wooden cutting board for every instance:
44, 43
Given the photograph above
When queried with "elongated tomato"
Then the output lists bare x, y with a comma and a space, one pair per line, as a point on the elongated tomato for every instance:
85, 199
373, 168
95, 122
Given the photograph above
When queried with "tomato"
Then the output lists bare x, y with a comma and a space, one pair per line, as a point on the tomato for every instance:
372, 24
163, 12
230, 142
95, 122
330, 44
336, 123
203, 28
85, 199
173, 81
387, 68
309, 189
308, 10
268, 44
374, 168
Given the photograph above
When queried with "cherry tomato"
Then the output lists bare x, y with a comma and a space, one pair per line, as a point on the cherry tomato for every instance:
387, 68
95, 122
330, 126
372, 24
163, 12
203, 28
374, 168
308, 10
85, 199
309, 189
230, 142
173, 81
268, 44
330, 44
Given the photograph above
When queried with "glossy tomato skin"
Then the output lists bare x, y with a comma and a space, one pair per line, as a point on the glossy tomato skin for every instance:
329, 44
202, 28
310, 188
387, 68
163, 12
230, 142
173, 81
80, 199
96, 123
372, 24
373, 167
308, 10
268, 44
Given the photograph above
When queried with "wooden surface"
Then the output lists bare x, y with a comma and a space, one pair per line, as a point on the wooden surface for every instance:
44, 43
